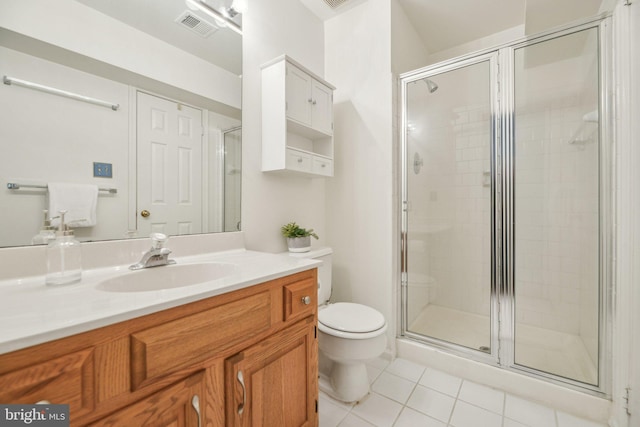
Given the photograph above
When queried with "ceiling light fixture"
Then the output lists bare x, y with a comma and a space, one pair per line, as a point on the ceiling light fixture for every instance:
218, 16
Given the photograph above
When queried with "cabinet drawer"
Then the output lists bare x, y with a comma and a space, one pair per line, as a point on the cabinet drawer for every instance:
298, 161
322, 166
184, 342
300, 299
65, 380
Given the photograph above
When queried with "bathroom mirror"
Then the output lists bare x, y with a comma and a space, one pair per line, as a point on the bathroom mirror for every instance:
167, 73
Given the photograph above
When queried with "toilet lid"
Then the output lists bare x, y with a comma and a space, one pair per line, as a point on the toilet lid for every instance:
350, 317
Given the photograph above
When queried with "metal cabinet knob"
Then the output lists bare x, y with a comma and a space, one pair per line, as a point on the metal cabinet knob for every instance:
306, 300
145, 213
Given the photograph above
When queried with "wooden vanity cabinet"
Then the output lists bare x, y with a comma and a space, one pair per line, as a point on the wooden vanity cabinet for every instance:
180, 366
273, 383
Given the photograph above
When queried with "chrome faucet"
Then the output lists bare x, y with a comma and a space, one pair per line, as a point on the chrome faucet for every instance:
157, 255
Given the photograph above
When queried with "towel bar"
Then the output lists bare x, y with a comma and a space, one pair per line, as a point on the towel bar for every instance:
15, 186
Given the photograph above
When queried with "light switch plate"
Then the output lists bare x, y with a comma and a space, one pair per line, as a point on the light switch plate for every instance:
102, 170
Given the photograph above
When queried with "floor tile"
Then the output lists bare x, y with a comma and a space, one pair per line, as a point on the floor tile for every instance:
467, 415
354, 421
378, 410
511, 423
393, 387
406, 369
435, 399
440, 381
330, 413
432, 403
411, 418
482, 396
529, 413
568, 420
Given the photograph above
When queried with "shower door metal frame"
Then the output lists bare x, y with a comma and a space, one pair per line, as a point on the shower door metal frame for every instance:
502, 199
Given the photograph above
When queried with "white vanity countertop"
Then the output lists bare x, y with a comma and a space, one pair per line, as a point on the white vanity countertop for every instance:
32, 313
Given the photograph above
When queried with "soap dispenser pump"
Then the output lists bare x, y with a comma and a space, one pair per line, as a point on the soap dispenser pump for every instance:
64, 257
47, 232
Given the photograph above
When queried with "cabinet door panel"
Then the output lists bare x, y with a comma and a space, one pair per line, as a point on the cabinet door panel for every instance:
280, 385
298, 90
65, 380
172, 406
322, 107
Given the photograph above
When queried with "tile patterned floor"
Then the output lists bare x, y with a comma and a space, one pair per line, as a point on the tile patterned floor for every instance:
404, 394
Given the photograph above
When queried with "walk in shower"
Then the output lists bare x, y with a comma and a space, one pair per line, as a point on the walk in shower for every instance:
506, 206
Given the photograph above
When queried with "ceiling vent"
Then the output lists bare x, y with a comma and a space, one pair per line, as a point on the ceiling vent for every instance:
327, 9
194, 23
335, 3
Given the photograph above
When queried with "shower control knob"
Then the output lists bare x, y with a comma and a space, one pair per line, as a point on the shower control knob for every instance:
306, 300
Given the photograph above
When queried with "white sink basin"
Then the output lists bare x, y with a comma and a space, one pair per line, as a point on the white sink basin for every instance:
167, 277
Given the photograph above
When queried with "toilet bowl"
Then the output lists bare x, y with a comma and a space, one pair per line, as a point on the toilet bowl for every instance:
349, 335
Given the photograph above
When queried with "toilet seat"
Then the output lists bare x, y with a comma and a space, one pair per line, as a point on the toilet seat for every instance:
350, 320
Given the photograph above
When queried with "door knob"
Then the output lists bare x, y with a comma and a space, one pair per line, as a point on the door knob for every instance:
145, 213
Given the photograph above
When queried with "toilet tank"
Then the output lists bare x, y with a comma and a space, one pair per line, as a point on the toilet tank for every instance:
324, 271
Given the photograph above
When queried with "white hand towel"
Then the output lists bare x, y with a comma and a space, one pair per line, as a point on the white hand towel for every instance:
79, 200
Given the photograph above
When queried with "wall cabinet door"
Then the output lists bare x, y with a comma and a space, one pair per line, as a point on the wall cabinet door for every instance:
298, 90
309, 101
179, 405
274, 383
321, 107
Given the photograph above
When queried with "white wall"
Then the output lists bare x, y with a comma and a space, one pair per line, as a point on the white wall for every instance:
361, 197
626, 296
47, 138
407, 50
270, 201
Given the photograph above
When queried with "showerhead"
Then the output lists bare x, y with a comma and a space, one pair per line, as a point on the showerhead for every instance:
431, 85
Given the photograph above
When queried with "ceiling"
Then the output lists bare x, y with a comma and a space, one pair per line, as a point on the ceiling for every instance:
445, 24
157, 18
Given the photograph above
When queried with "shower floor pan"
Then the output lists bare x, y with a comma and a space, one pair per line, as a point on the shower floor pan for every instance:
546, 350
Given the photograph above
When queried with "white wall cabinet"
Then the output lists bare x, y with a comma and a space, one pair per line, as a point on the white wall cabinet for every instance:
297, 119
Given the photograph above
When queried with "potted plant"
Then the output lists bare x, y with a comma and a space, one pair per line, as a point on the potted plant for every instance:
298, 238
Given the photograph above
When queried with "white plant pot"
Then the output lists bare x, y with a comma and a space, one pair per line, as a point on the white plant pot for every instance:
299, 244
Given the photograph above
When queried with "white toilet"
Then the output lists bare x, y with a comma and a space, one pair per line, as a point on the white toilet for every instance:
349, 335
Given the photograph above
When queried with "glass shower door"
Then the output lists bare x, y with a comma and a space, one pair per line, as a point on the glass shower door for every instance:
557, 206
447, 209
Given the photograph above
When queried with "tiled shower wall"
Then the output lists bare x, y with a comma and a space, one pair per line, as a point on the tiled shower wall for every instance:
556, 217
557, 222
449, 229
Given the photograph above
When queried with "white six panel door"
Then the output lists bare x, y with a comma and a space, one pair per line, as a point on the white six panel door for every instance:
169, 165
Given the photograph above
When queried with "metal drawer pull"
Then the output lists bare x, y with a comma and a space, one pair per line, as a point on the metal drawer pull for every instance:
195, 402
306, 300
43, 402
244, 393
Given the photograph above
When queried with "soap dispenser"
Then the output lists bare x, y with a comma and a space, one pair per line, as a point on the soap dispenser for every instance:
64, 257
47, 233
